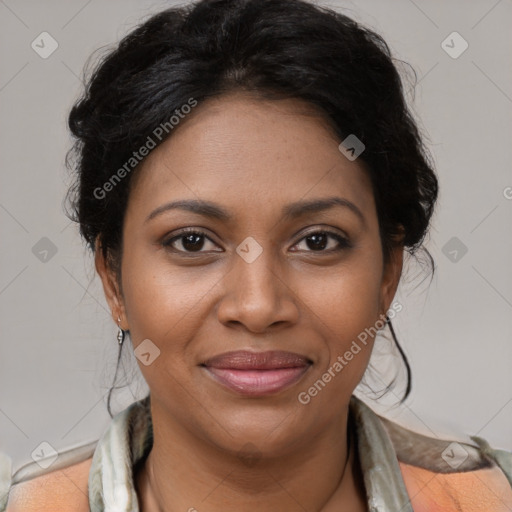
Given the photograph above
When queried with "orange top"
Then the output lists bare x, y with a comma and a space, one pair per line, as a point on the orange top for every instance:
484, 490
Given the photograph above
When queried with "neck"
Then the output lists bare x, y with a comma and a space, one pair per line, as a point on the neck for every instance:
318, 475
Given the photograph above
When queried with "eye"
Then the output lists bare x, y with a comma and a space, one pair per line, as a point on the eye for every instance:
318, 241
190, 240
194, 240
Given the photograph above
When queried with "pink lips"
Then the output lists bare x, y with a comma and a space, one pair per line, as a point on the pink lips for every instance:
257, 373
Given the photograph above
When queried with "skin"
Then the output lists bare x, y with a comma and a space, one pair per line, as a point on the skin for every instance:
252, 157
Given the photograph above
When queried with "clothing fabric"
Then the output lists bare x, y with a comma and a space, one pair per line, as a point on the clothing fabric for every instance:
382, 446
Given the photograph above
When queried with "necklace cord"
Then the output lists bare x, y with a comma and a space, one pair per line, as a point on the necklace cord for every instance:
349, 448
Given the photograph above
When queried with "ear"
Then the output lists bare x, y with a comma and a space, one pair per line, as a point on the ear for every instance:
391, 276
111, 286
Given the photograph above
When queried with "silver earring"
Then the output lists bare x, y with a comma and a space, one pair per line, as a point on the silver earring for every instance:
120, 332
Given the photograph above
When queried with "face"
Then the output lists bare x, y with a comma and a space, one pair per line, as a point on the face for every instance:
274, 250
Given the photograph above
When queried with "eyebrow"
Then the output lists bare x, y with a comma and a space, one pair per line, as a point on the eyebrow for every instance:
290, 211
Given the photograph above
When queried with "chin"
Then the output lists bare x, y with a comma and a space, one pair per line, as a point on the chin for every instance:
269, 431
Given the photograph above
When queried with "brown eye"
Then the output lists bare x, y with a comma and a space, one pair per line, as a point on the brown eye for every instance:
190, 241
318, 241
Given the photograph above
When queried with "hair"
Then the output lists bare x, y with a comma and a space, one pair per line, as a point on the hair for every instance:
274, 49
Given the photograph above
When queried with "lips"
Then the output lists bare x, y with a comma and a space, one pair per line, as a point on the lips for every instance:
245, 360
257, 373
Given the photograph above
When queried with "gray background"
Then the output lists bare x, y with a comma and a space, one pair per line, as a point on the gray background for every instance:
57, 342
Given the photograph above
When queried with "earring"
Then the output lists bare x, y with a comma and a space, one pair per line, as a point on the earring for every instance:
120, 333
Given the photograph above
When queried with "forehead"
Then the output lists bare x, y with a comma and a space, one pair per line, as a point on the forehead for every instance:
248, 153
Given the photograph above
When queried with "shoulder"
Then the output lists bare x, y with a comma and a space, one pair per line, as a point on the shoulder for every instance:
60, 490
479, 490
444, 474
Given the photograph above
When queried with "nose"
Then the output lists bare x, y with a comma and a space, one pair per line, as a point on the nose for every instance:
257, 296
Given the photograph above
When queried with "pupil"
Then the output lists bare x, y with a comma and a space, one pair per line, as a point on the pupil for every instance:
193, 242
319, 241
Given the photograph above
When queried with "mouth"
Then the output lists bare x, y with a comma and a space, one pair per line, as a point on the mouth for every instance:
257, 373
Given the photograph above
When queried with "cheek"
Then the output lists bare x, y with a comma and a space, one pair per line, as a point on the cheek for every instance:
345, 297
163, 302
165, 305
345, 314
344, 306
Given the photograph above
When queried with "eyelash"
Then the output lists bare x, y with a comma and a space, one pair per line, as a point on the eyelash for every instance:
343, 243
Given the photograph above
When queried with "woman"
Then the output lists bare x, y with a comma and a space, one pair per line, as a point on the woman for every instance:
249, 177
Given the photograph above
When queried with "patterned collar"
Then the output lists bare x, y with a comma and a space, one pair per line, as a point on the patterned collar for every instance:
129, 438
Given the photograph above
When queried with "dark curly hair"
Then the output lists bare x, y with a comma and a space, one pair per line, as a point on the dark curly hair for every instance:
274, 49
